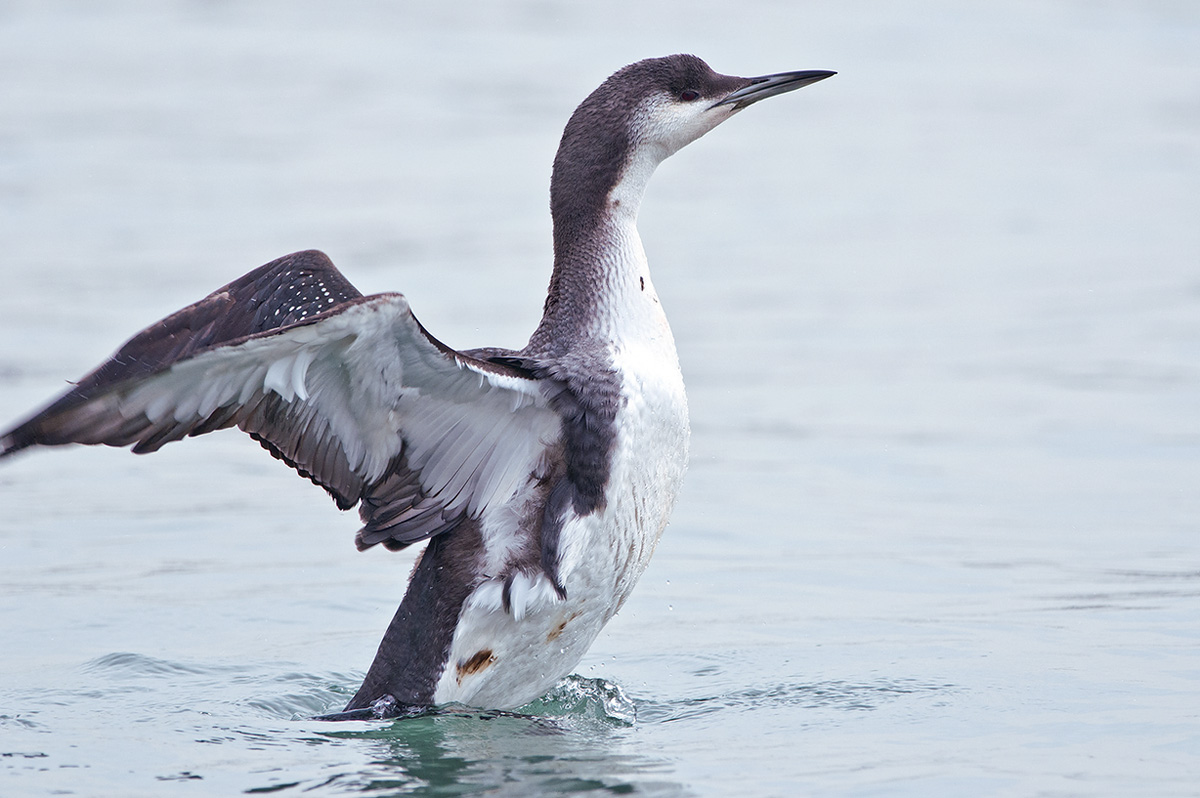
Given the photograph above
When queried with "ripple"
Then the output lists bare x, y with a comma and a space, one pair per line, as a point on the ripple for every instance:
839, 695
19, 722
1131, 589
128, 664
307, 696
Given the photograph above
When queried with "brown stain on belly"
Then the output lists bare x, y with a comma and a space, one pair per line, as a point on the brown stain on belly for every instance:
478, 662
558, 630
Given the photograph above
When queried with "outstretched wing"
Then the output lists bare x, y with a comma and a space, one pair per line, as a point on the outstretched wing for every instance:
351, 391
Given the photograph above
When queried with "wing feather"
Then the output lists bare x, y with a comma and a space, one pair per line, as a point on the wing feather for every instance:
351, 391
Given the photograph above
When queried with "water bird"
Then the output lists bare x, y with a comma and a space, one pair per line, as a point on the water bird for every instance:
541, 478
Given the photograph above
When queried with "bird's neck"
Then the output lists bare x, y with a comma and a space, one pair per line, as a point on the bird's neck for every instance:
600, 289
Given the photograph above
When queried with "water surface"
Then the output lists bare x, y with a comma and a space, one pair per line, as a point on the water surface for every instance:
939, 318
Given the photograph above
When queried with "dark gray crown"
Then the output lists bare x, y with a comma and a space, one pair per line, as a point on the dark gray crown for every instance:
597, 141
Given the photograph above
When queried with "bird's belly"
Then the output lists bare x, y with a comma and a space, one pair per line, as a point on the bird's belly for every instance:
502, 661
505, 658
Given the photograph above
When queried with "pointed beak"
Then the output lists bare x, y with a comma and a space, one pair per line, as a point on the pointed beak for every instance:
766, 86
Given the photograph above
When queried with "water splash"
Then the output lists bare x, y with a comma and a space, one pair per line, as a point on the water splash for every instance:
574, 700
582, 698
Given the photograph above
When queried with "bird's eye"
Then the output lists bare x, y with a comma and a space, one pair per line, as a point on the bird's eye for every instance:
687, 95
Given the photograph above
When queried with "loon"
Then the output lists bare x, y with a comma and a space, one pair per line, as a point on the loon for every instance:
541, 479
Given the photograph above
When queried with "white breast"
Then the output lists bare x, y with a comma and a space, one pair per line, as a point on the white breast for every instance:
506, 659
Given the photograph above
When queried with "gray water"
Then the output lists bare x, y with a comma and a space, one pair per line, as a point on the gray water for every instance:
939, 318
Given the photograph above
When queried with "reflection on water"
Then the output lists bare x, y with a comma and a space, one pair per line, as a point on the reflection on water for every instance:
448, 753
549, 746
